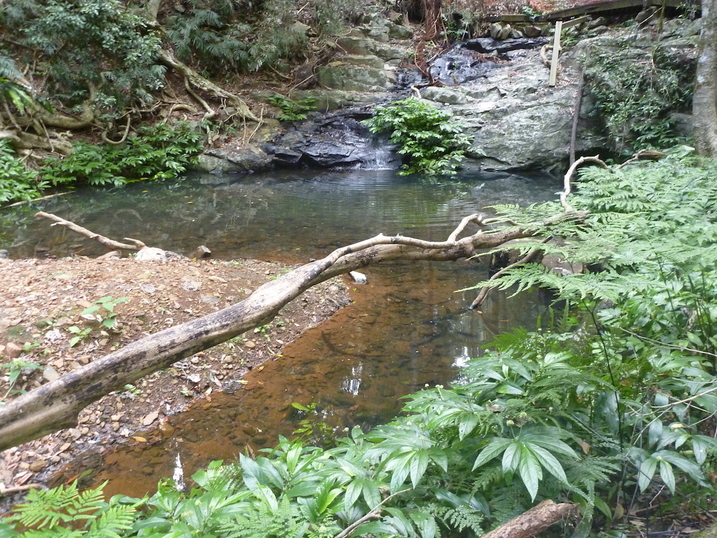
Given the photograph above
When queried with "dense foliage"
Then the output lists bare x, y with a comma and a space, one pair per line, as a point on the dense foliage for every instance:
158, 152
88, 49
17, 182
433, 143
637, 92
246, 36
610, 404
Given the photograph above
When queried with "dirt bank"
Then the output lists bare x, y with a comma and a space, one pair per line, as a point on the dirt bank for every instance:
43, 331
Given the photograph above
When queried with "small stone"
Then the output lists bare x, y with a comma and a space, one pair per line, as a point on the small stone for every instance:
202, 252
195, 360
151, 254
38, 465
50, 374
151, 417
24, 465
115, 426
191, 285
359, 278
148, 288
75, 433
114, 418
250, 344
12, 350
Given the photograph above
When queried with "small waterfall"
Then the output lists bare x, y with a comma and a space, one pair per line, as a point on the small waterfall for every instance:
381, 156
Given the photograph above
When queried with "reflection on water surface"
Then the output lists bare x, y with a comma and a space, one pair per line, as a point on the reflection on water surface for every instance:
406, 329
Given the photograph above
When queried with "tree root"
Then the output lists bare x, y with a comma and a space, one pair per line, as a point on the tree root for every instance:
106, 139
201, 83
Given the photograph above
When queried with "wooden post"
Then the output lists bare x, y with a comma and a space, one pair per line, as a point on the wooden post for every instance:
556, 53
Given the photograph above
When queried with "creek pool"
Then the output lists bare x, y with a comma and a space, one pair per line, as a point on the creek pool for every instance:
406, 329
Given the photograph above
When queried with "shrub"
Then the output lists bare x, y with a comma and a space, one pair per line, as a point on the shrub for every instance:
17, 182
157, 152
432, 142
636, 90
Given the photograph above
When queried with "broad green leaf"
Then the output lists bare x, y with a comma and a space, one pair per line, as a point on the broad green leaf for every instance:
668, 477
601, 505
419, 463
530, 471
353, 492
550, 462
511, 456
371, 494
654, 432
681, 462
495, 447
646, 472
467, 424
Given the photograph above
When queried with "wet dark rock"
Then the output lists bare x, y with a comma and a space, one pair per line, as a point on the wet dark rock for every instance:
334, 140
459, 66
488, 44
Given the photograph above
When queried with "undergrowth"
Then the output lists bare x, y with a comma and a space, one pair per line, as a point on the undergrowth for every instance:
17, 182
158, 152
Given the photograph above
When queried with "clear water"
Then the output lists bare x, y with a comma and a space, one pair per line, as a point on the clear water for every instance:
407, 328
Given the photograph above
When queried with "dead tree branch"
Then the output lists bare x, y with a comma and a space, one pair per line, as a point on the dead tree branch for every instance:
483, 293
101, 239
569, 174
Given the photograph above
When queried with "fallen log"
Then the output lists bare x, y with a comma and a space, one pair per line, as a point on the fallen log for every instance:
535, 520
55, 405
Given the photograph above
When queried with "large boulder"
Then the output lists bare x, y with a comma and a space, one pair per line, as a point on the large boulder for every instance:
503, 99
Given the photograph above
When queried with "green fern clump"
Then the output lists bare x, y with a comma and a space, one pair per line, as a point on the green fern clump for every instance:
158, 152
17, 182
53, 512
432, 142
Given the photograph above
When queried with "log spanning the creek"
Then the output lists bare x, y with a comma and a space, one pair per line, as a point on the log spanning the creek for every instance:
55, 405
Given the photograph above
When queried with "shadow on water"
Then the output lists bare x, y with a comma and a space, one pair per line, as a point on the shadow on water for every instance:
406, 329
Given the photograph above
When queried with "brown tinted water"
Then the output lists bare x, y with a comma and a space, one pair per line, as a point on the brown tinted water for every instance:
407, 327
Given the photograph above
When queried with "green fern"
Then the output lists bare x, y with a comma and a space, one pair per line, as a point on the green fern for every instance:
265, 522
54, 512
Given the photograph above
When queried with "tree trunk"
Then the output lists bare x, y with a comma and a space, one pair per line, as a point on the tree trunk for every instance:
705, 95
55, 405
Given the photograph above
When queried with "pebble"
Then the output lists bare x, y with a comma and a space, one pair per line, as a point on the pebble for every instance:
12, 350
250, 344
50, 374
38, 465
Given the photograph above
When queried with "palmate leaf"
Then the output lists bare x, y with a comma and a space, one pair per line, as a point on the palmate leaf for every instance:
531, 451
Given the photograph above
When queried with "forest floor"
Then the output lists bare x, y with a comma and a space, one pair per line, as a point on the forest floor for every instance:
42, 325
